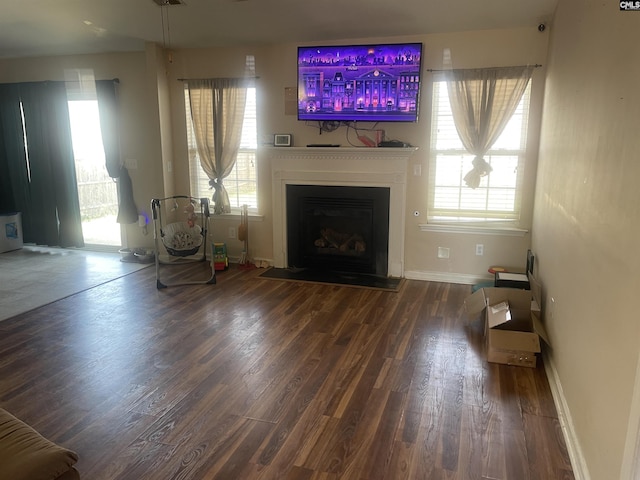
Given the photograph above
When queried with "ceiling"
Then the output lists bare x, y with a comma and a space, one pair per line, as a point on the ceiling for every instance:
45, 27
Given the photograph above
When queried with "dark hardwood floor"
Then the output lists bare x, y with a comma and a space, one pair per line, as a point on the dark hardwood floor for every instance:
256, 378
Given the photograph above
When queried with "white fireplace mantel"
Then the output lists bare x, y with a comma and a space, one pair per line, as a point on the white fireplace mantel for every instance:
371, 167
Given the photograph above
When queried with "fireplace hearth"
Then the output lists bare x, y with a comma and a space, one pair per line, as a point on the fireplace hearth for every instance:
338, 228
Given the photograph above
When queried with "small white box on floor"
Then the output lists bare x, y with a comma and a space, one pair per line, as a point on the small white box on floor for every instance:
11, 232
512, 280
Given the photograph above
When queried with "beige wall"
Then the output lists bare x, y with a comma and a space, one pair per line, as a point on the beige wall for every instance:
213, 63
586, 225
276, 69
139, 132
153, 133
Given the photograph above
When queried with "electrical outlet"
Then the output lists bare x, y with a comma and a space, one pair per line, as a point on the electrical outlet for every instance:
443, 252
232, 232
479, 249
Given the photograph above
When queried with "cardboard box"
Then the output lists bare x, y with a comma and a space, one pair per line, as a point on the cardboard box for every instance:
512, 328
11, 232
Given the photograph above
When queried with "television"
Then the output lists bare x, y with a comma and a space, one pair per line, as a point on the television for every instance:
371, 83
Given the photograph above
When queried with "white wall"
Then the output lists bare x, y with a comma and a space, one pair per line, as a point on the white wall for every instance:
586, 225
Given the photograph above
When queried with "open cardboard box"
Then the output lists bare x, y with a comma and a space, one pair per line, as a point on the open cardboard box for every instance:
512, 334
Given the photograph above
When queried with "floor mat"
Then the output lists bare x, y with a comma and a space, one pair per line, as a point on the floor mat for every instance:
334, 278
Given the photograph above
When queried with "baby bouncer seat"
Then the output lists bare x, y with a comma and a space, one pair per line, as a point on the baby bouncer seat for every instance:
184, 241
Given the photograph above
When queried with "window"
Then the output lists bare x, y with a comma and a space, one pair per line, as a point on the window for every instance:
241, 184
498, 197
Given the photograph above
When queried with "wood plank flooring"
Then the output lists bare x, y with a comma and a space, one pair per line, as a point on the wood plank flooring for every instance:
256, 378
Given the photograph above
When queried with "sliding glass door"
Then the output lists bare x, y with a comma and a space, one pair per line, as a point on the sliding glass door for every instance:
96, 190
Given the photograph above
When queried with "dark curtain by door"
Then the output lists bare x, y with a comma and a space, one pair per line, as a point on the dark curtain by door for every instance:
47, 196
107, 94
14, 177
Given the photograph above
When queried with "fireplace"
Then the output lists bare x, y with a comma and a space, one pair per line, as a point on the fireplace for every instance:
385, 168
338, 228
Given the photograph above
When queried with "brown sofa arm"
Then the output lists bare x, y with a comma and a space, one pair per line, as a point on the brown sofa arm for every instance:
25, 454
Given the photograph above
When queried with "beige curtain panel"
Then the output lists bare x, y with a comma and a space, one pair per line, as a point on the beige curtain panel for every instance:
217, 113
482, 102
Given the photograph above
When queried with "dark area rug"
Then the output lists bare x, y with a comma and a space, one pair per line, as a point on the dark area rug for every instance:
334, 278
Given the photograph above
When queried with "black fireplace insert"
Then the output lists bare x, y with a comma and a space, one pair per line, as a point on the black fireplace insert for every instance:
338, 228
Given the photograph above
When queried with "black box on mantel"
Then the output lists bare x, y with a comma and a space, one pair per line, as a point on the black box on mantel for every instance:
512, 280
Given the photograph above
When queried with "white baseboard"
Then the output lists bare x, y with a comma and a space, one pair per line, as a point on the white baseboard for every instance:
578, 464
446, 277
631, 458
235, 259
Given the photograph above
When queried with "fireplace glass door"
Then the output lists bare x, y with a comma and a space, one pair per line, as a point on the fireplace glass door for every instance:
338, 228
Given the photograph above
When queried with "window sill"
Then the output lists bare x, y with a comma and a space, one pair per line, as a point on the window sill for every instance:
253, 217
474, 229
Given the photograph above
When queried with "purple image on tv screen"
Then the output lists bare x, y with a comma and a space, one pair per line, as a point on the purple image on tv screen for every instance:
371, 83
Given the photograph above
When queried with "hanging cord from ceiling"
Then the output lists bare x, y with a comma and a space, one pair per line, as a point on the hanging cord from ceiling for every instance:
166, 30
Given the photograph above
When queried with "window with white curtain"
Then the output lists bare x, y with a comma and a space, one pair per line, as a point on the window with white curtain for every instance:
497, 200
241, 184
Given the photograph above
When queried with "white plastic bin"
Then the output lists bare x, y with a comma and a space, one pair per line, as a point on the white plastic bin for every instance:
10, 232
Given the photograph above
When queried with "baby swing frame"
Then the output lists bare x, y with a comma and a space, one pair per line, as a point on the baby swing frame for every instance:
196, 234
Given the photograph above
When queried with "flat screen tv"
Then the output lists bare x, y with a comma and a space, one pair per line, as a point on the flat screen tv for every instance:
370, 83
